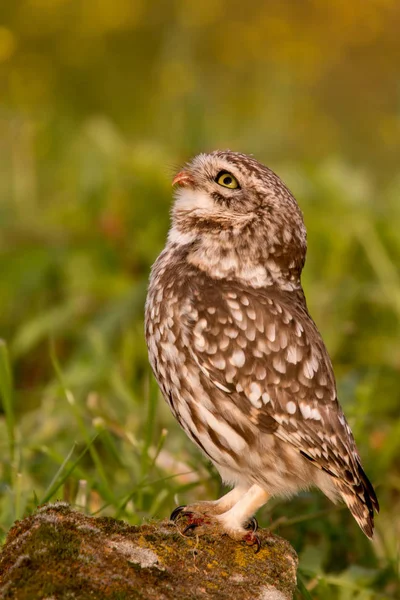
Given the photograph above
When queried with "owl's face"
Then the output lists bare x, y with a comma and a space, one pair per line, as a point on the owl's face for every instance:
231, 203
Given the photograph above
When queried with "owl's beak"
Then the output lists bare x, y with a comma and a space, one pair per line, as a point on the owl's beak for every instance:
183, 178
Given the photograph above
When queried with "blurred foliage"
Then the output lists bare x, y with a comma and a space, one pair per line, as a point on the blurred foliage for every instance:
99, 104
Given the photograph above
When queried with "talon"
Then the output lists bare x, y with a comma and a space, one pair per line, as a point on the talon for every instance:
252, 524
176, 512
258, 545
252, 539
189, 528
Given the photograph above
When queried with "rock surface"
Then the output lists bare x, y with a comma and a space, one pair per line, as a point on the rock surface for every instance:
59, 553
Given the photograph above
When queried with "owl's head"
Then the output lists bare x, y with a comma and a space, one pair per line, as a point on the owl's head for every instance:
230, 207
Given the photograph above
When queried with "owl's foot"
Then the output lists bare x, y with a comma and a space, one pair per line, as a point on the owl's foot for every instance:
230, 515
193, 518
203, 523
198, 513
246, 533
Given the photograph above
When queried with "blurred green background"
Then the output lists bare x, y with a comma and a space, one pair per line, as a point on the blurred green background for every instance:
100, 102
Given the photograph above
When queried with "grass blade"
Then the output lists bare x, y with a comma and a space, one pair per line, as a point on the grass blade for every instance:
58, 482
7, 396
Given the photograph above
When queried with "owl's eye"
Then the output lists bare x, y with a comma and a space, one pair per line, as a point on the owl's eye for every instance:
227, 180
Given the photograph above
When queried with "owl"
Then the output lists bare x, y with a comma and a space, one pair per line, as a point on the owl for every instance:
236, 354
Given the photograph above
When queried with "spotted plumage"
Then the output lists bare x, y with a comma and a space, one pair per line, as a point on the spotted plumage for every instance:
235, 352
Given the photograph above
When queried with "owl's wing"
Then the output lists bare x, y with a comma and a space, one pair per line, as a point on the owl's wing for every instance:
265, 352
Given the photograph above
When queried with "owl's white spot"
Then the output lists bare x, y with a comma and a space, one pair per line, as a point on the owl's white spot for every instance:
200, 326
315, 414
251, 313
295, 387
278, 364
308, 369
291, 407
283, 339
266, 398
255, 394
200, 342
250, 332
231, 332
244, 300
259, 323
319, 393
241, 341
322, 380
211, 310
341, 419
238, 315
223, 343
230, 373
287, 317
234, 304
218, 362
294, 354
239, 388
263, 346
305, 410
271, 332
298, 329
238, 358
212, 348
260, 372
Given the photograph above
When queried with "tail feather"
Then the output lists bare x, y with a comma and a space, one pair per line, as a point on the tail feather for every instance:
360, 497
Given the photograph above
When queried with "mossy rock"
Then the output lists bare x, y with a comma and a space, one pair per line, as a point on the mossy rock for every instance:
59, 553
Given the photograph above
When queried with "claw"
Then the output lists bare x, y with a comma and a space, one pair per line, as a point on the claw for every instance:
176, 512
189, 528
252, 524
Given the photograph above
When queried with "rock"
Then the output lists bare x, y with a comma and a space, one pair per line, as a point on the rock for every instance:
59, 553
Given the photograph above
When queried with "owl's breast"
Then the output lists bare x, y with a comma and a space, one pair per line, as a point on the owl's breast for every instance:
168, 305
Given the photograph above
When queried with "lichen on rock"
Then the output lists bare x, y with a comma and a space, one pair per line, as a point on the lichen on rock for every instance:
61, 553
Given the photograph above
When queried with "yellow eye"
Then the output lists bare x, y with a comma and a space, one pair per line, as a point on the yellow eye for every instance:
227, 180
